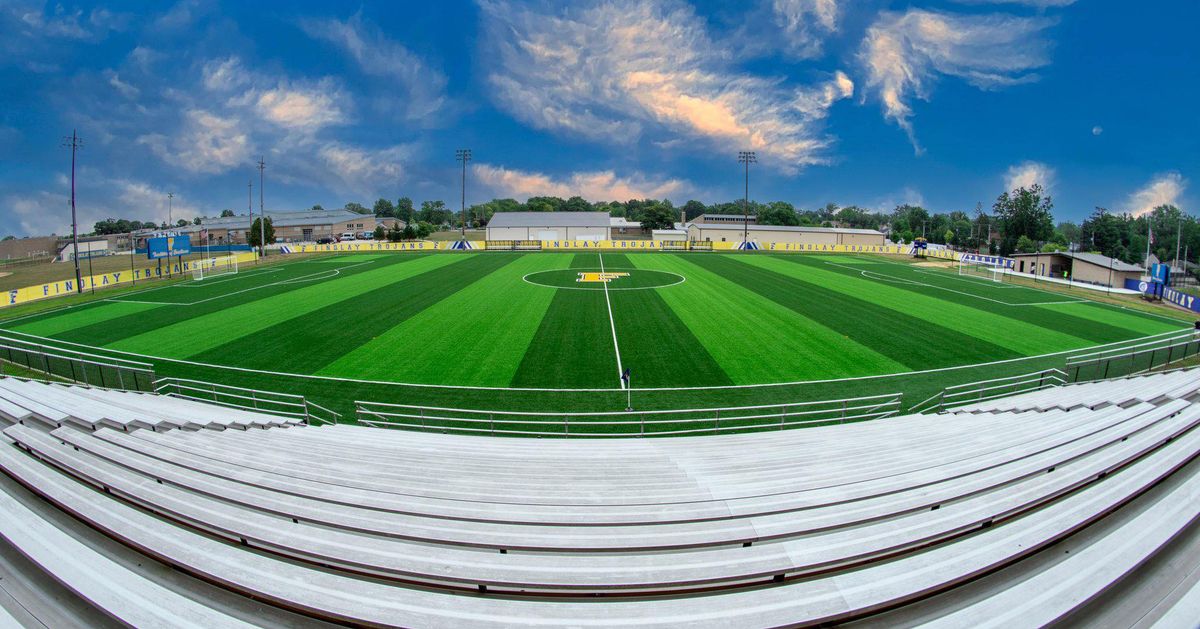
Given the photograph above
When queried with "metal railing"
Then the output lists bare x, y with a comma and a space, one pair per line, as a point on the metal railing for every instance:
75, 366
270, 402
627, 423
1133, 359
984, 390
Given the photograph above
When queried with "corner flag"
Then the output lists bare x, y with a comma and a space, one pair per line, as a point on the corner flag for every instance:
625, 376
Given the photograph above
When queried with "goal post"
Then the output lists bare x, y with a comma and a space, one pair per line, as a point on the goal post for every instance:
213, 267
983, 269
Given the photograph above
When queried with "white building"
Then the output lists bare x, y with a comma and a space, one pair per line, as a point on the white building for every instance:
549, 226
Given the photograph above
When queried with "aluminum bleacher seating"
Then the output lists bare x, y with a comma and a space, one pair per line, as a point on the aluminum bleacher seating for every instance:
950, 519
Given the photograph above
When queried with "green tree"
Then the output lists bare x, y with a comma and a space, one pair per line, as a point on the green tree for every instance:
384, 207
1025, 244
357, 208
658, 216
404, 209
577, 204
316, 208
693, 208
423, 230
409, 232
395, 234
1024, 212
256, 230
196, 221
777, 213
227, 213
380, 233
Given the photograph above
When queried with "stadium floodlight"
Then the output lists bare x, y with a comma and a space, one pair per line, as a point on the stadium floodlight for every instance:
463, 156
746, 158
74, 143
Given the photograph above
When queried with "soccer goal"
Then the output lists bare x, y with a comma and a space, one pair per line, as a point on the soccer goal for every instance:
982, 269
213, 267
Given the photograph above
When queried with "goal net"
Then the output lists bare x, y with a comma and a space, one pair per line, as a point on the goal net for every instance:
982, 269
213, 267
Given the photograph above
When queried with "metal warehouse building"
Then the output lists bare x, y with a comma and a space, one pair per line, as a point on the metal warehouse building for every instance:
722, 232
304, 226
549, 226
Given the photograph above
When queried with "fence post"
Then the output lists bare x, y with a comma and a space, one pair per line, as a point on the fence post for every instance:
120, 378
642, 427
843, 418
307, 417
492, 423
566, 426
782, 414
74, 378
102, 383
254, 399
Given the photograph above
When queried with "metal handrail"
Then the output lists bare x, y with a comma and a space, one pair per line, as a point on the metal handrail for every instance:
979, 391
1124, 350
657, 422
73, 359
1184, 341
228, 396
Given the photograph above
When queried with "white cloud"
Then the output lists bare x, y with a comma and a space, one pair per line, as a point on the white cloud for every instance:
904, 52
1040, 4
421, 87
593, 186
208, 143
804, 22
1163, 189
654, 69
1097, 130
1027, 173
126, 90
370, 168
222, 75
300, 107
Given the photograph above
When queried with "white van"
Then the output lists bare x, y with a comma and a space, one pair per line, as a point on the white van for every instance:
347, 236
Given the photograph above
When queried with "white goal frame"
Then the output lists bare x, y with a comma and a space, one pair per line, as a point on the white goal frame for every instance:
213, 267
982, 270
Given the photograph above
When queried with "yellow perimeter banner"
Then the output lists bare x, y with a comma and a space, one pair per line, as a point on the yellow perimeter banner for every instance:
104, 280
360, 246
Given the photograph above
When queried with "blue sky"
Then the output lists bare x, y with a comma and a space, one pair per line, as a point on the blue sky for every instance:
874, 103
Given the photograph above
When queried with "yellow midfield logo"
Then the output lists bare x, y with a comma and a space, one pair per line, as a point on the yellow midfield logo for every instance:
599, 277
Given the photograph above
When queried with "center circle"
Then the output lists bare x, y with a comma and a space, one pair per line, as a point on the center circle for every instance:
599, 279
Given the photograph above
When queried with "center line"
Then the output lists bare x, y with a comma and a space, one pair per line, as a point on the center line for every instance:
612, 325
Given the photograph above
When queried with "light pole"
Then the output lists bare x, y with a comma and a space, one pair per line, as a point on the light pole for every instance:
746, 158
262, 212
463, 156
170, 227
75, 143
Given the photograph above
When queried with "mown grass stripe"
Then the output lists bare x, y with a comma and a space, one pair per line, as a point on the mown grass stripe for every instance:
573, 345
1094, 329
656, 346
75, 318
1137, 324
911, 340
478, 334
987, 326
197, 334
262, 287
755, 339
310, 342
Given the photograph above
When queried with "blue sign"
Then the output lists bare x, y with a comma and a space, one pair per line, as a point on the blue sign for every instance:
165, 246
1160, 273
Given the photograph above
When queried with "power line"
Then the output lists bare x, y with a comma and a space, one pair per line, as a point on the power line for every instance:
746, 158
464, 156
75, 143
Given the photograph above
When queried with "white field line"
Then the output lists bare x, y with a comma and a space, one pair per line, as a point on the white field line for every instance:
766, 385
1084, 299
236, 276
882, 277
612, 325
293, 280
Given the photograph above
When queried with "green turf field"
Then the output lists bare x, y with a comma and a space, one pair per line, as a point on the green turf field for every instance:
461, 329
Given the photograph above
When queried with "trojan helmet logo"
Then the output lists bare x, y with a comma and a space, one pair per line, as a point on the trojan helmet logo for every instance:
592, 276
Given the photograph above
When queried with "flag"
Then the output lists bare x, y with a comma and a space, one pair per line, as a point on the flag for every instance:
625, 376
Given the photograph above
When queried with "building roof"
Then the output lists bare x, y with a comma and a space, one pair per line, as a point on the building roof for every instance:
789, 228
725, 217
279, 219
550, 219
1090, 258
621, 221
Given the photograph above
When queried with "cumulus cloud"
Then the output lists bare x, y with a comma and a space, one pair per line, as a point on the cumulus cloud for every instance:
1097, 130
360, 167
1040, 4
1027, 173
655, 70
423, 87
299, 107
46, 212
1162, 189
208, 143
595, 186
805, 23
903, 53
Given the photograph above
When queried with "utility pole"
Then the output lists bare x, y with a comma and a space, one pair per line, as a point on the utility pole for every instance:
75, 143
746, 158
262, 212
464, 156
1178, 237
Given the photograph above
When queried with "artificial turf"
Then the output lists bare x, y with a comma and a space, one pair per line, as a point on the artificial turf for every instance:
397, 325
